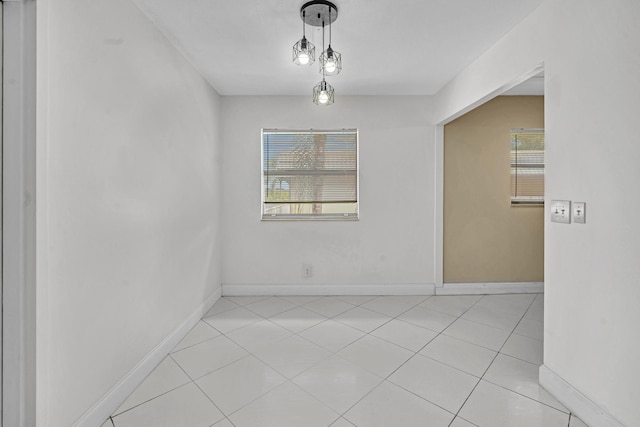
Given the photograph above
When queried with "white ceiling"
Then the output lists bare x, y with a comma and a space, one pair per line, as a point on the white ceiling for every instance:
389, 47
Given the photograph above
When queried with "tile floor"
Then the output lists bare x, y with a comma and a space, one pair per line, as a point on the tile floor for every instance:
350, 361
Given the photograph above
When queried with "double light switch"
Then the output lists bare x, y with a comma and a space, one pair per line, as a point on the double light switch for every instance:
563, 210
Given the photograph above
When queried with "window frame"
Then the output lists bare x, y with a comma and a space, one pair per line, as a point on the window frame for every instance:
515, 201
309, 217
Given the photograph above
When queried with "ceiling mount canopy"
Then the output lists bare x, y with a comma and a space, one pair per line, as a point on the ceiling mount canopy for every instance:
319, 13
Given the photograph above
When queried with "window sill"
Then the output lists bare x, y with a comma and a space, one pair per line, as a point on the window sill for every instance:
310, 218
526, 204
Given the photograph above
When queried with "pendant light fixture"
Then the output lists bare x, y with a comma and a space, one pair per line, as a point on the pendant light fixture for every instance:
330, 60
323, 92
319, 13
304, 52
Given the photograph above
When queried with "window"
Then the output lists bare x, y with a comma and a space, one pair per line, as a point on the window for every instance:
527, 166
309, 174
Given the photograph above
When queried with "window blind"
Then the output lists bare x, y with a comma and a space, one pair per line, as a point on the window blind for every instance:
310, 173
527, 166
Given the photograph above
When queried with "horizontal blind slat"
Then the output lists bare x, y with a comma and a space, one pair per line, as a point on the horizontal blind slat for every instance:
527, 165
309, 168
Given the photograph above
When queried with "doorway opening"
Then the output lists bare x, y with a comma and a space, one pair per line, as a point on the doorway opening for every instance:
487, 237
468, 234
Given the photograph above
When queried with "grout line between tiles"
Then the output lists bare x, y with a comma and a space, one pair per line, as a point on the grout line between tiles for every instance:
528, 397
293, 307
438, 334
334, 353
198, 343
352, 306
386, 379
488, 326
345, 420
281, 385
211, 400
222, 367
250, 353
494, 358
417, 353
206, 315
412, 306
148, 400
161, 394
218, 422
462, 418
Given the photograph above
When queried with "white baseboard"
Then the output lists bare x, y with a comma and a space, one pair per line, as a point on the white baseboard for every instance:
315, 289
493, 288
384, 289
584, 408
103, 408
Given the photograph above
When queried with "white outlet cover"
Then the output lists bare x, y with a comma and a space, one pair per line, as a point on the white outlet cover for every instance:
307, 270
561, 211
579, 212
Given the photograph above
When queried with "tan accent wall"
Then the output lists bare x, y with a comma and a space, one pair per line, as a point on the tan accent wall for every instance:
485, 239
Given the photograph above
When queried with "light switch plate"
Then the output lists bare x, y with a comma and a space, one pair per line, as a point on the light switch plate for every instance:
561, 211
579, 212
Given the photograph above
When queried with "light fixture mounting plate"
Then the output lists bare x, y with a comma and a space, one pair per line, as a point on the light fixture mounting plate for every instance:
316, 12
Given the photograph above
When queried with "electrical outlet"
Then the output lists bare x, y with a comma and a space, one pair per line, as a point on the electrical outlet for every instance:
579, 212
561, 211
307, 270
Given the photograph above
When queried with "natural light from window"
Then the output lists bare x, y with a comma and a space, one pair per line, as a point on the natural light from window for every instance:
309, 174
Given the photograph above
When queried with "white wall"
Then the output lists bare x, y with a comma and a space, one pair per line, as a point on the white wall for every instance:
392, 244
129, 164
129, 198
591, 51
